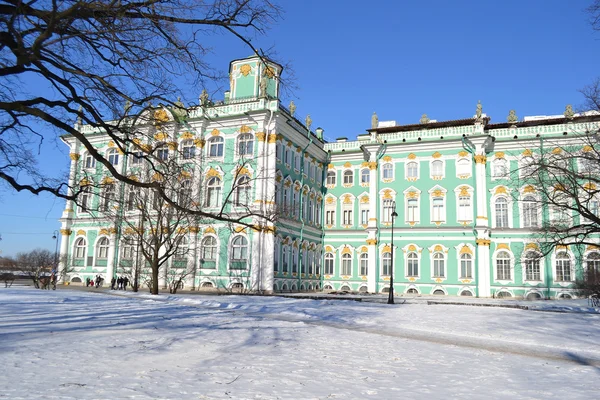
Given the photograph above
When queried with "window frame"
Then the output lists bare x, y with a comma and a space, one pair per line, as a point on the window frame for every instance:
216, 147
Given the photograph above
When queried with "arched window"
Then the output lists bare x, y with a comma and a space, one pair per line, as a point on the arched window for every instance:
245, 144
501, 207
346, 264
113, 156
532, 267
209, 248
108, 196
102, 249
331, 177
215, 147
89, 161
242, 192
412, 261
530, 212
386, 263
466, 266
285, 258
328, 264
500, 168
503, 272
593, 267
162, 152
563, 267
439, 269
348, 177
80, 249
365, 176
239, 252
213, 192
387, 171
188, 149
364, 264
412, 170
437, 168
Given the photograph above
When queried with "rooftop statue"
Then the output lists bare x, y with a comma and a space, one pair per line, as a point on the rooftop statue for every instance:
479, 111
179, 111
374, 121
292, 108
512, 117
569, 114
204, 98
308, 122
424, 119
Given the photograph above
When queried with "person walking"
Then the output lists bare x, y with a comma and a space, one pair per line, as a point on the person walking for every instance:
125, 282
112, 283
120, 283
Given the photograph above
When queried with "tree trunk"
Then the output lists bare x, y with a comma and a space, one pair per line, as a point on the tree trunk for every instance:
154, 289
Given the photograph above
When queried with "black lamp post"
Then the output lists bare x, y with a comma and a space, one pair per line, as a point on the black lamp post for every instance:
55, 237
391, 292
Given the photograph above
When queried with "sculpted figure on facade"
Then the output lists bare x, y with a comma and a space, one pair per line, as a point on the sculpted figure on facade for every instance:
424, 119
263, 86
292, 108
512, 117
308, 122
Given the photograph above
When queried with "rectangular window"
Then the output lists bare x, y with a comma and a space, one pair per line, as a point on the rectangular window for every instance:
503, 269
464, 208
412, 170
412, 211
532, 269
386, 213
330, 217
364, 217
438, 210
347, 217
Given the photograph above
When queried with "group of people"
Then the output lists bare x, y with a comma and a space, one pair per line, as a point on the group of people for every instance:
120, 283
97, 282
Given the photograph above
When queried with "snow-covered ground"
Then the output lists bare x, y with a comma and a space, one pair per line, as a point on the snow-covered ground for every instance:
74, 344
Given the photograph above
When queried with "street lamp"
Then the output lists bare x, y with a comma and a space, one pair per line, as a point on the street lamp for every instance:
55, 237
391, 292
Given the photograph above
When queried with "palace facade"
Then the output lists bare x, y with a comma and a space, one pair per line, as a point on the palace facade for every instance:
460, 224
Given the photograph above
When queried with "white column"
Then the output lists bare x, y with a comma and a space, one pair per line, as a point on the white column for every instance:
483, 266
482, 228
372, 226
268, 251
481, 190
190, 281
62, 257
110, 262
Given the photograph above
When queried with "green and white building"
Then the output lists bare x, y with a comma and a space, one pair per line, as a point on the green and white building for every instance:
462, 227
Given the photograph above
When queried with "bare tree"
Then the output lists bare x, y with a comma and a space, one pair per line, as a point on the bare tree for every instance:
35, 264
96, 56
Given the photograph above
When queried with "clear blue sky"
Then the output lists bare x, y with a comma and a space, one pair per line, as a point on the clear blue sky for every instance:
400, 59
